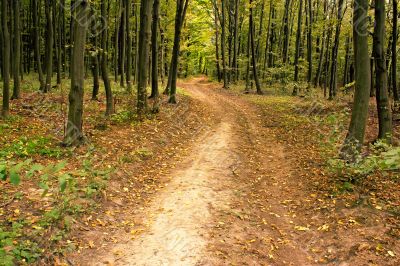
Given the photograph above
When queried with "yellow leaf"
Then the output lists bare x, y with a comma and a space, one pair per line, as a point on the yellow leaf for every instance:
301, 228
391, 253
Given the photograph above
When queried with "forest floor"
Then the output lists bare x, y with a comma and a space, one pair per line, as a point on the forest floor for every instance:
223, 178
249, 192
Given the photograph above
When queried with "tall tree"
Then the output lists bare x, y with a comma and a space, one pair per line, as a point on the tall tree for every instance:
223, 48
154, 50
356, 133
49, 44
36, 34
394, 51
104, 61
74, 133
335, 48
6, 60
143, 60
309, 42
17, 50
181, 9
286, 32
297, 48
382, 97
124, 21
128, 45
253, 50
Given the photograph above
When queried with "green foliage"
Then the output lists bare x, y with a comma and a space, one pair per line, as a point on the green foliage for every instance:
382, 158
12, 249
27, 147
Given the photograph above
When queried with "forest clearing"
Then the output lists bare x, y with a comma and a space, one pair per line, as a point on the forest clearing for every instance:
199, 132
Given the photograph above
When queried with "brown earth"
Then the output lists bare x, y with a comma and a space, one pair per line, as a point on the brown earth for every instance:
244, 193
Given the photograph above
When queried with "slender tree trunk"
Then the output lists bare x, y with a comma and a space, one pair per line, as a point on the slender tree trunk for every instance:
122, 43
297, 55
144, 55
95, 70
219, 75
104, 62
181, 9
17, 50
36, 34
247, 89
128, 46
154, 50
286, 32
74, 134
235, 41
6, 60
355, 136
382, 97
394, 52
49, 45
309, 44
333, 80
116, 41
224, 68
253, 51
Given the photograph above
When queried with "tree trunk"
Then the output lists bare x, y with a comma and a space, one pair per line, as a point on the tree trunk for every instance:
382, 98
297, 55
181, 10
17, 50
74, 134
286, 32
128, 46
36, 34
333, 80
219, 75
49, 45
154, 50
394, 52
122, 43
224, 70
355, 136
253, 51
6, 60
143, 60
309, 43
104, 60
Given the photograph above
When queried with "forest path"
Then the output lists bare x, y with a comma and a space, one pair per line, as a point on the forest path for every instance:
182, 217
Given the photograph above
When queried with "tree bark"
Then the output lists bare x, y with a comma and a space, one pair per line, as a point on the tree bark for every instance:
17, 50
74, 133
394, 52
181, 10
154, 51
382, 97
223, 36
355, 136
6, 60
253, 51
143, 60
104, 62
36, 34
335, 48
297, 53
128, 46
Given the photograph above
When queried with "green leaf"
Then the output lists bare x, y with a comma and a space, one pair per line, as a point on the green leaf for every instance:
59, 166
63, 182
45, 187
14, 178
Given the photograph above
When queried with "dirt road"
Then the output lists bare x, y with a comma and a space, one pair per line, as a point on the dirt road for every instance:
237, 199
182, 218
